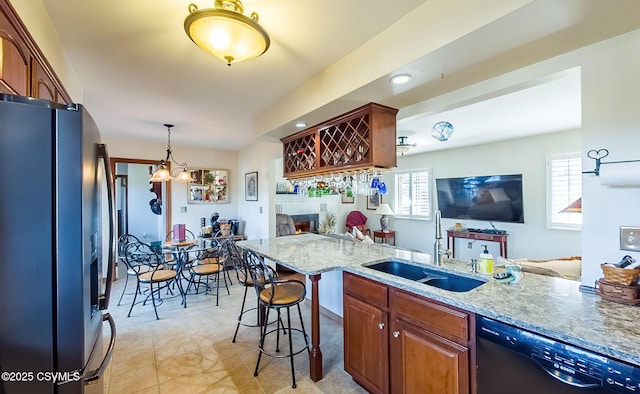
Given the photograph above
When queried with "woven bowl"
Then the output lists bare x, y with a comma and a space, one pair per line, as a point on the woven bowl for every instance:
621, 276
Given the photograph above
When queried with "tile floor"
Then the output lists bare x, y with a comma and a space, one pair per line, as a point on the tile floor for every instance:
189, 350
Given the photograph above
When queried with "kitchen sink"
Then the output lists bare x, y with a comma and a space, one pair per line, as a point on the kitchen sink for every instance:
429, 276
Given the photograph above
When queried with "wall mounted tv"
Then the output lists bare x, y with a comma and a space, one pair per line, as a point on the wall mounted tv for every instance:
493, 198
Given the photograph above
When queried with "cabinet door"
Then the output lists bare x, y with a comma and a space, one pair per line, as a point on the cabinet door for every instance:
422, 362
14, 60
366, 344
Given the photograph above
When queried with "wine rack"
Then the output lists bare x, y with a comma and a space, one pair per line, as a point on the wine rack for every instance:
362, 138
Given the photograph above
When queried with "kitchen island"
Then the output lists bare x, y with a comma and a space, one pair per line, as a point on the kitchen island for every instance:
548, 306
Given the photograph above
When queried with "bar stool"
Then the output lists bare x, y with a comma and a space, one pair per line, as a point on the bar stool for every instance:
276, 294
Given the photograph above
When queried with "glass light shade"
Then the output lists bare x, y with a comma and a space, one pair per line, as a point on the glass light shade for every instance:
184, 176
161, 175
384, 209
227, 35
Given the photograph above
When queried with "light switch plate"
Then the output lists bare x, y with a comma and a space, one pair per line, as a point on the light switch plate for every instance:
630, 238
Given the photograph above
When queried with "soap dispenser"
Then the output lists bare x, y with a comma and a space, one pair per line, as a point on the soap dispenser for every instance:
485, 262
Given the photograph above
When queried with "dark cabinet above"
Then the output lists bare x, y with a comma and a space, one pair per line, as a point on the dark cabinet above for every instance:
359, 139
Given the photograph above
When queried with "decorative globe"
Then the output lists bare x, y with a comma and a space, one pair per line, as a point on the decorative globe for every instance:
442, 131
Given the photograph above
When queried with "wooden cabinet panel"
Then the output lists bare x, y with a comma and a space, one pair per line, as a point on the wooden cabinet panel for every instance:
422, 362
438, 318
374, 293
428, 347
14, 61
41, 85
366, 344
23, 68
362, 138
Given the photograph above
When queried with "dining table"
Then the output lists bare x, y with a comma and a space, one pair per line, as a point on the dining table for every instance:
180, 251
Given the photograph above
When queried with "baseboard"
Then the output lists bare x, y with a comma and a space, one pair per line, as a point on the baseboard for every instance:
326, 312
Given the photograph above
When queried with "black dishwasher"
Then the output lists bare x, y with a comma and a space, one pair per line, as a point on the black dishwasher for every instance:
511, 360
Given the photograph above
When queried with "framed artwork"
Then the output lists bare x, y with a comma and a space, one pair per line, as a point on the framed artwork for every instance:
251, 186
209, 186
373, 201
346, 200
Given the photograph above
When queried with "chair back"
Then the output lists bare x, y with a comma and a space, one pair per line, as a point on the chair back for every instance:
141, 257
261, 274
234, 253
123, 241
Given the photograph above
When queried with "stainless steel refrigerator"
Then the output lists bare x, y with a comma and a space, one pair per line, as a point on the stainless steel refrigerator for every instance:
56, 248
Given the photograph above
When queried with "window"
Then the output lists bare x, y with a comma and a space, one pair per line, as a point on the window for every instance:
564, 191
413, 189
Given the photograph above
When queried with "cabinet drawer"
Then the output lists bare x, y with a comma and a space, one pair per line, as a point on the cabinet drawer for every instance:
443, 320
367, 290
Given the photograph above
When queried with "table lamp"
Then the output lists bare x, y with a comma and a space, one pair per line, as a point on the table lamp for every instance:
384, 210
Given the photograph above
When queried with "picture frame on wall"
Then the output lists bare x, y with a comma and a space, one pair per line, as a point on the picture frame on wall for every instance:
346, 200
374, 201
251, 186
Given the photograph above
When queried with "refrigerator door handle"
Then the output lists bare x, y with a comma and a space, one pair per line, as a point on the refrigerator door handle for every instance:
97, 373
104, 155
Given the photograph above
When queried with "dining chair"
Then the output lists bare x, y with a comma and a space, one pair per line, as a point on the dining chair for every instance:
208, 262
123, 241
151, 272
276, 294
243, 276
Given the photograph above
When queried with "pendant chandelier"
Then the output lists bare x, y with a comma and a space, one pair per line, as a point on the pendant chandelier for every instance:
226, 32
162, 174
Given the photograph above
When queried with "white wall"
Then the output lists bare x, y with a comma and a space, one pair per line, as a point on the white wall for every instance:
526, 156
259, 216
611, 87
195, 157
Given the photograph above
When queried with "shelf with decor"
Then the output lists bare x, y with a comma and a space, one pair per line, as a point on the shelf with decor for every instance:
359, 139
209, 186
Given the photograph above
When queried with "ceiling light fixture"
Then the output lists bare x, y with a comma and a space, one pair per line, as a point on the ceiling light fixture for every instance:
301, 125
403, 147
226, 32
162, 174
400, 79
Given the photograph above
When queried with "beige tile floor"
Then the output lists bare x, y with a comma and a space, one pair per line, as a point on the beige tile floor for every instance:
189, 350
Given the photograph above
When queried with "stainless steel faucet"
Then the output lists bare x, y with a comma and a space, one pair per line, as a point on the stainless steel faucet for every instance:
438, 250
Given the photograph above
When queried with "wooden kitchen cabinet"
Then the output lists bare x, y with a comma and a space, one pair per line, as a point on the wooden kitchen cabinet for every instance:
365, 321
362, 138
24, 71
429, 346
422, 346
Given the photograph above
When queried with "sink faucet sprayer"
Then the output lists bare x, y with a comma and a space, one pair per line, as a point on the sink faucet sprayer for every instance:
438, 250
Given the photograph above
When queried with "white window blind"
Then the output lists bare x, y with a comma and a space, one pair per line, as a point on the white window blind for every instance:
413, 191
564, 188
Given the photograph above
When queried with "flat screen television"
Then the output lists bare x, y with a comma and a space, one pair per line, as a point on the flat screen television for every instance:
493, 198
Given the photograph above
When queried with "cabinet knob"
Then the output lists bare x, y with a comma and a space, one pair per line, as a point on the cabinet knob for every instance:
381, 326
396, 334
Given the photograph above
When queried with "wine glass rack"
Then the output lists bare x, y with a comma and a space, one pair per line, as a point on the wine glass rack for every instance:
362, 138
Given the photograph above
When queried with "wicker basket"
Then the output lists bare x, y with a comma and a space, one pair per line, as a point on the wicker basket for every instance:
621, 276
618, 293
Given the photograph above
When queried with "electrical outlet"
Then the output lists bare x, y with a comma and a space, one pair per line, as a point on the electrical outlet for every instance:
630, 238
470, 245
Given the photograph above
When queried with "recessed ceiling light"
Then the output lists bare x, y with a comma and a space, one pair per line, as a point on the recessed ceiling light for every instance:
301, 125
400, 79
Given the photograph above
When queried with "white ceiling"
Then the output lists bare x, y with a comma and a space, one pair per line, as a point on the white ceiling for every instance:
139, 70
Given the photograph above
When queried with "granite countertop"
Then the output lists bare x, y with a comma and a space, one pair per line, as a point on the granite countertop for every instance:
548, 306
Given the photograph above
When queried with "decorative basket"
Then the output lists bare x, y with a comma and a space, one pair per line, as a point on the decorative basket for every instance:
621, 276
618, 293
